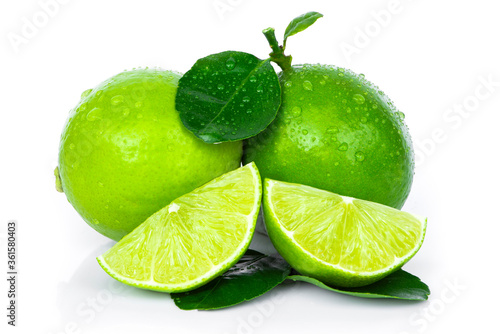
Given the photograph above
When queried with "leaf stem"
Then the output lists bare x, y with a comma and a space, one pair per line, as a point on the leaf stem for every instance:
271, 38
278, 52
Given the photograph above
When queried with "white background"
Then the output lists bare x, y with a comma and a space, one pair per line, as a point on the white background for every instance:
431, 57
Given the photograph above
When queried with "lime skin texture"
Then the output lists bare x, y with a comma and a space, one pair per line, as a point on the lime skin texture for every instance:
338, 132
124, 152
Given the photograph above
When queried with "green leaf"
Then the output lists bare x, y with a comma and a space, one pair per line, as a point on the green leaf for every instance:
299, 24
252, 276
398, 285
228, 96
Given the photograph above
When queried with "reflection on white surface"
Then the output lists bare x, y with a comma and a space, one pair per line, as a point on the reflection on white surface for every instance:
90, 300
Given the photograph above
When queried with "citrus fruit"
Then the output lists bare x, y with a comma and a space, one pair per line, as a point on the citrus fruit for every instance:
124, 152
339, 240
338, 132
193, 239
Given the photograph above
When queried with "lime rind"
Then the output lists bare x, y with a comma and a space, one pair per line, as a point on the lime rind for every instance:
163, 254
295, 238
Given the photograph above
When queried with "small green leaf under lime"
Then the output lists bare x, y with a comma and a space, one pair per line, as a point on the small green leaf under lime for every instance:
228, 96
398, 285
253, 275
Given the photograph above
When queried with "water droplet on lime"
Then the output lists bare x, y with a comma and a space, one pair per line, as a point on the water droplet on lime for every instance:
296, 111
246, 99
400, 115
343, 147
94, 114
358, 98
117, 99
307, 85
82, 107
138, 104
360, 156
86, 93
253, 78
332, 130
288, 84
220, 86
230, 63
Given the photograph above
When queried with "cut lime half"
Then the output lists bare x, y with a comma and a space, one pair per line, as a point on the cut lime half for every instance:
193, 239
339, 240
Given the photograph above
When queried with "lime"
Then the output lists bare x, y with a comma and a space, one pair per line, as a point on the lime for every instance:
336, 239
125, 154
338, 132
193, 239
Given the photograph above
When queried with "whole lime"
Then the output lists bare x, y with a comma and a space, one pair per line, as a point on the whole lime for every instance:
124, 152
338, 132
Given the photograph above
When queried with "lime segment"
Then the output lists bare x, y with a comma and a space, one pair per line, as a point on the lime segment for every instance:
193, 239
339, 240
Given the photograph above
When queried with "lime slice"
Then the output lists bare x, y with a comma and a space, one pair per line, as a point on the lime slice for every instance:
339, 240
193, 239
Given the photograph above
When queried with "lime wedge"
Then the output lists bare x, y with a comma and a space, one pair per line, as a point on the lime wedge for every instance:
339, 240
193, 239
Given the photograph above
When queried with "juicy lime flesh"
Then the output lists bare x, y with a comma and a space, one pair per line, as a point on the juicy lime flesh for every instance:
350, 237
192, 239
125, 154
338, 132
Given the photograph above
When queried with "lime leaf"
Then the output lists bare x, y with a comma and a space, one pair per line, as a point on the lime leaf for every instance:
252, 276
398, 285
228, 96
299, 24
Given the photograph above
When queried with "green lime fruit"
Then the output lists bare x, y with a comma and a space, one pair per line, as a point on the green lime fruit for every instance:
124, 152
339, 240
338, 132
192, 240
